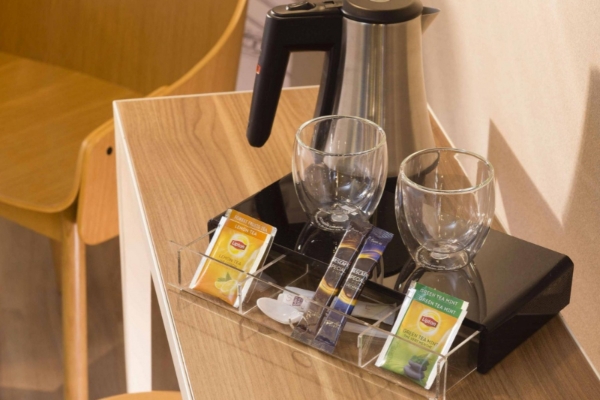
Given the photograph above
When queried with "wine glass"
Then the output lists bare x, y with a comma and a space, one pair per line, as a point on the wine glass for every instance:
444, 206
339, 168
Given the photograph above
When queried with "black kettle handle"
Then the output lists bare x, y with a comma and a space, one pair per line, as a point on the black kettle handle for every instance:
295, 27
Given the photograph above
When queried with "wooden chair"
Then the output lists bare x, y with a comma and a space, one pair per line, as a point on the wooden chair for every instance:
61, 65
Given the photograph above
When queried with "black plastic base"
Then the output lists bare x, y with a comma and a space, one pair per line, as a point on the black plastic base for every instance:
514, 288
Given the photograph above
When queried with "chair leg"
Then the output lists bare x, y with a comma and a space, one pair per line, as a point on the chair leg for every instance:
74, 310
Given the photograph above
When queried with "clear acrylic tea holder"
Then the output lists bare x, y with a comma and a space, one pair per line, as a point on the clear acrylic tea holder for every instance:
361, 342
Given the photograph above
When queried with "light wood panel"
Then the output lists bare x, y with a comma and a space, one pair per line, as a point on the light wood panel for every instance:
97, 216
549, 365
48, 224
147, 396
41, 165
50, 186
217, 71
116, 40
46, 113
192, 161
248, 360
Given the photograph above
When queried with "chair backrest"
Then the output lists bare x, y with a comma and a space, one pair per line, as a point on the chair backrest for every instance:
215, 72
139, 44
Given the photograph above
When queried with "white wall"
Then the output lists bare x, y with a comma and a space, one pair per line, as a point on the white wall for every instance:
519, 81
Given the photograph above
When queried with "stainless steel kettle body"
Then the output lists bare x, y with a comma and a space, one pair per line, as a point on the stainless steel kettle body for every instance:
382, 80
373, 67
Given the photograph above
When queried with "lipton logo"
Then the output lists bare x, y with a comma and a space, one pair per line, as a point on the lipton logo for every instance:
238, 245
429, 321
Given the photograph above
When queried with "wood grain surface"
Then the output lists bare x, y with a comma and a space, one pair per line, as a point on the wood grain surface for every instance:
48, 224
147, 396
216, 71
192, 161
116, 40
97, 216
74, 308
61, 66
46, 112
51, 99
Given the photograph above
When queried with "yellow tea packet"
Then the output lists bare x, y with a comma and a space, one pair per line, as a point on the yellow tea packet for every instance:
250, 222
428, 318
242, 243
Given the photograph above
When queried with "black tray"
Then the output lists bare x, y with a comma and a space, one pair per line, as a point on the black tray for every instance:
514, 288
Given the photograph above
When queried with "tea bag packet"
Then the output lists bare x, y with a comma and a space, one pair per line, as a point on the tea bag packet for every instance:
428, 318
242, 244
331, 282
333, 324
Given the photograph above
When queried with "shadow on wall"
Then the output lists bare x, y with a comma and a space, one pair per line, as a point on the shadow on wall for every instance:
583, 213
529, 215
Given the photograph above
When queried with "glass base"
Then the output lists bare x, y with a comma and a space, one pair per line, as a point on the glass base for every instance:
337, 219
441, 261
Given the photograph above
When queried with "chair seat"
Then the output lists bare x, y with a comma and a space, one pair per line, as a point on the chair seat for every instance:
147, 396
45, 114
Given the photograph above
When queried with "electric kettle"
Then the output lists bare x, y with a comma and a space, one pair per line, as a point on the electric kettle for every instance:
373, 67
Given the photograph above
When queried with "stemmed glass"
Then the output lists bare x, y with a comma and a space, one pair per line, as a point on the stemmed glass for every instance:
339, 168
444, 206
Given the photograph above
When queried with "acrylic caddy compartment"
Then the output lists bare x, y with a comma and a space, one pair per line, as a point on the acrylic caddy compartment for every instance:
359, 347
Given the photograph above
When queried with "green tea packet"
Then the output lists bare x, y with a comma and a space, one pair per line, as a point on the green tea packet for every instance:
430, 319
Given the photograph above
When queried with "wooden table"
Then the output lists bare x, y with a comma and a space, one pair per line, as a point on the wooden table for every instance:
183, 160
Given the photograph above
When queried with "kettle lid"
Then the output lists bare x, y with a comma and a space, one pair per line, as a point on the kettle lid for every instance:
382, 11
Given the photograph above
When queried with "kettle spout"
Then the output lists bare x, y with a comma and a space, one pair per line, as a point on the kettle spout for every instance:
427, 17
